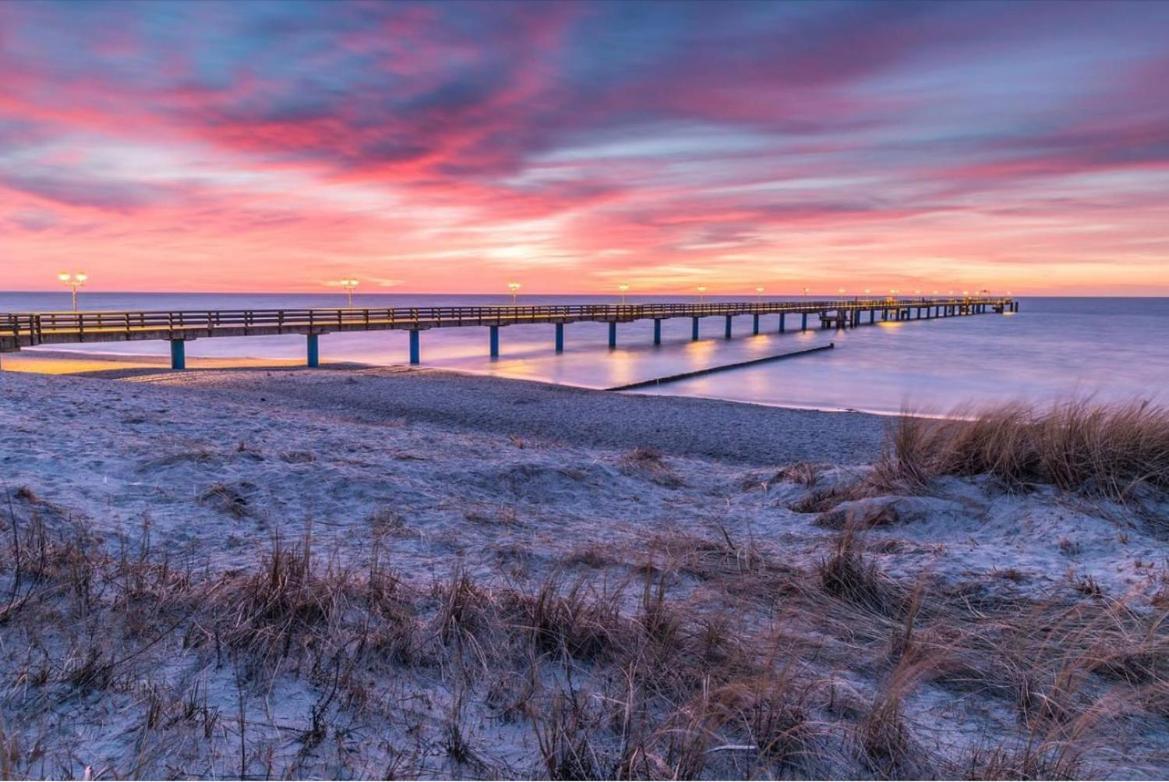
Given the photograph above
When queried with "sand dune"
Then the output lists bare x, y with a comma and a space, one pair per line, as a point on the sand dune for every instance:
535, 540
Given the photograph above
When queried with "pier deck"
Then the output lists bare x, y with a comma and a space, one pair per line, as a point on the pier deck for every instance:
19, 330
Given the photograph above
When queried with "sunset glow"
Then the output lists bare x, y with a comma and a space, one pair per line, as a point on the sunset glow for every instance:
583, 147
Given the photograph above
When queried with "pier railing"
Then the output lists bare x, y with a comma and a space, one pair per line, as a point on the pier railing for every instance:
28, 329
36, 328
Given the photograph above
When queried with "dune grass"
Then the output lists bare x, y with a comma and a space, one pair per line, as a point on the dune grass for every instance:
684, 657
1112, 451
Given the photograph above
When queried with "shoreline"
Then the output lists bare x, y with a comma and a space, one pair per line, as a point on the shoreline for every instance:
57, 361
733, 432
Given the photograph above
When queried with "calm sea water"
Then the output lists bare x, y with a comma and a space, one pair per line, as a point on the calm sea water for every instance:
1114, 349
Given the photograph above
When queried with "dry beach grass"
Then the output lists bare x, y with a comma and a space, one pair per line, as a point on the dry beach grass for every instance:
1110, 450
689, 619
706, 660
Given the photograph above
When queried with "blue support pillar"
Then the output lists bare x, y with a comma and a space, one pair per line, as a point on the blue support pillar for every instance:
612, 334
803, 321
178, 354
782, 325
494, 341
314, 351
694, 329
657, 331
559, 337
727, 335
415, 346
755, 324
872, 317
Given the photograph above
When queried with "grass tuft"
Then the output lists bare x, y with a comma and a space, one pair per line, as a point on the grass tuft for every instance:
1104, 450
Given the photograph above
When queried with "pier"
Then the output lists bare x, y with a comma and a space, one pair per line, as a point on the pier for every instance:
21, 330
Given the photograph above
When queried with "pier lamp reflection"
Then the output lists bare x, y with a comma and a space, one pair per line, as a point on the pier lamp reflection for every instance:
514, 287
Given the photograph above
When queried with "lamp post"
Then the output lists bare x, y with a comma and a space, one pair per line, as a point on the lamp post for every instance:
701, 293
759, 293
623, 287
514, 287
349, 284
74, 281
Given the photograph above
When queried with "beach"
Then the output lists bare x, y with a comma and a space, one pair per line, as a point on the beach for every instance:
511, 497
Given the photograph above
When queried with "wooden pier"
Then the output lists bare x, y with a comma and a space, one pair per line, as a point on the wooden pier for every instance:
20, 330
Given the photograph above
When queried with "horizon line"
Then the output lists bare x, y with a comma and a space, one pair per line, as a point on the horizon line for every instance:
506, 294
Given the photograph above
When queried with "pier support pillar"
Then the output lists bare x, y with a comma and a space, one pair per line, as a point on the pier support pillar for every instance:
755, 324
872, 317
657, 331
314, 351
415, 346
494, 339
612, 334
782, 325
559, 337
694, 329
727, 335
803, 321
178, 354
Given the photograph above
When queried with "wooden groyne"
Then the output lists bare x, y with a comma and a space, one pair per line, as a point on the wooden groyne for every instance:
18, 330
657, 381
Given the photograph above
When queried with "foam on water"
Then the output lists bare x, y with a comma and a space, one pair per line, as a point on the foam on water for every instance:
1115, 349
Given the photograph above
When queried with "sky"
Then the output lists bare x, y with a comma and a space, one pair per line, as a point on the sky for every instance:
575, 147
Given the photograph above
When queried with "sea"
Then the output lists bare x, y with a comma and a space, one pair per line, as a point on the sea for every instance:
1053, 349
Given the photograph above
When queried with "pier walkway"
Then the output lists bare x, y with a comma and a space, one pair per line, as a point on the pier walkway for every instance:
20, 330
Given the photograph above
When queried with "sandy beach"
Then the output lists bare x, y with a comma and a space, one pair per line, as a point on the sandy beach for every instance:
486, 499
